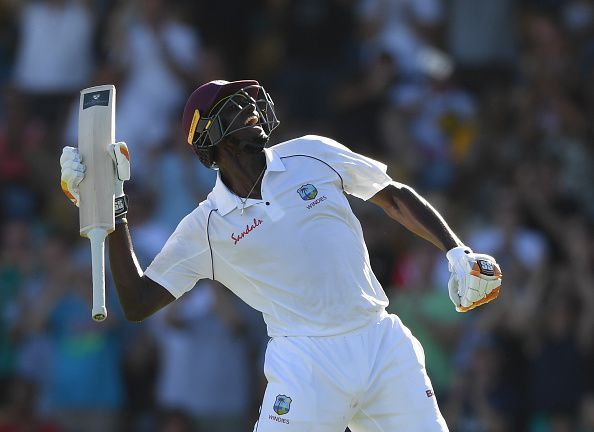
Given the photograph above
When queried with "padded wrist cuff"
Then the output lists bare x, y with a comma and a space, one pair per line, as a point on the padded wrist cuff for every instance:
454, 254
121, 206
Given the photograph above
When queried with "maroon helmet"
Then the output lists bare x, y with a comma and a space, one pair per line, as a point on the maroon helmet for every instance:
202, 124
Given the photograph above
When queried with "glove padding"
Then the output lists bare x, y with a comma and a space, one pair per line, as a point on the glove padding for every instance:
73, 170
121, 158
475, 278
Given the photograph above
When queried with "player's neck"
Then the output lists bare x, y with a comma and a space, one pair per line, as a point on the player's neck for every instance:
242, 173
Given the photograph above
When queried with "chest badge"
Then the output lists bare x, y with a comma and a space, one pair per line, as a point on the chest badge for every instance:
307, 192
282, 404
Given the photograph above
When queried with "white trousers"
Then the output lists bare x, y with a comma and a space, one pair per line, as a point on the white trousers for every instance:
372, 380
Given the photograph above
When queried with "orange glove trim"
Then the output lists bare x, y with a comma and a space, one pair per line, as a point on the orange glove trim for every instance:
491, 296
64, 186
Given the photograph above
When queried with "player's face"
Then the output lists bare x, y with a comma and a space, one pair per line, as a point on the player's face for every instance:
241, 116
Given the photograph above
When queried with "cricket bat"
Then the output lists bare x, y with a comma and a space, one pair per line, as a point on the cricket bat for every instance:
96, 130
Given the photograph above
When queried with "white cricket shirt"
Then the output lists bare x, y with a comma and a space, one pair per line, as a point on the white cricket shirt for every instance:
297, 255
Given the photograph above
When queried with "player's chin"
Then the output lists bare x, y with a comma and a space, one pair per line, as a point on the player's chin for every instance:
257, 143
256, 131
254, 134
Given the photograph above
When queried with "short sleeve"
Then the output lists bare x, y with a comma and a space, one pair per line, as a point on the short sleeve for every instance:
185, 258
361, 176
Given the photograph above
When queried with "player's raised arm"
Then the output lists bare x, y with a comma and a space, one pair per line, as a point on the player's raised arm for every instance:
407, 207
139, 296
476, 278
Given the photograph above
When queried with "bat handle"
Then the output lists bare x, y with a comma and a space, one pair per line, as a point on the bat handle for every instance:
97, 238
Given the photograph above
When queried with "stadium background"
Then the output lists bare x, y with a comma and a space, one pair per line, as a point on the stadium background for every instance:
483, 106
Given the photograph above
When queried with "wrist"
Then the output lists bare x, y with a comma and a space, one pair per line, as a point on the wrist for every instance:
458, 250
121, 206
119, 189
457, 255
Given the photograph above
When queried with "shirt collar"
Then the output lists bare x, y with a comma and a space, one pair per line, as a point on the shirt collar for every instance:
273, 161
225, 200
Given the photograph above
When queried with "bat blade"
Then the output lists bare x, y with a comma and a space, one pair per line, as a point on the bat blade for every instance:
96, 130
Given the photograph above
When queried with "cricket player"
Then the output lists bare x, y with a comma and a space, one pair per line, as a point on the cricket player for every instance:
278, 231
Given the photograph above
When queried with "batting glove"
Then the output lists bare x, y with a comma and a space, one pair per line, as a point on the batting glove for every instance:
475, 278
121, 158
73, 172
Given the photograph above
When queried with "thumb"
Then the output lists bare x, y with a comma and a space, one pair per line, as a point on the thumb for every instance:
121, 158
453, 290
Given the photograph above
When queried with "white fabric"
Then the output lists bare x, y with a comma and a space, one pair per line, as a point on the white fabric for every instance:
373, 380
302, 262
55, 50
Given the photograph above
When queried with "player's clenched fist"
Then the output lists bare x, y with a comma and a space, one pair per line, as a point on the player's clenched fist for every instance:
475, 278
121, 159
73, 170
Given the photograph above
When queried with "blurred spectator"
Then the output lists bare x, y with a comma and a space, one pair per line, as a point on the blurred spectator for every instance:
8, 35
54, 58
20, 413
311, 30
440, 120
483, 397
17, 262
175, 167
54, 54
400, 28
75, 361
53, 61
525, 256
159, 58
482, 39
176, 421
208, 369
140, 368
586, 422
266, 50
557, 363
360, 100
505, 234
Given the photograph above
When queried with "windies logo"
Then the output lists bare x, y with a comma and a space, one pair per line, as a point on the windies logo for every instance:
282, 404
307, 192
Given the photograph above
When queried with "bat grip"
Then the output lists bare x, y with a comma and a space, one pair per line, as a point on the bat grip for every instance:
97, 238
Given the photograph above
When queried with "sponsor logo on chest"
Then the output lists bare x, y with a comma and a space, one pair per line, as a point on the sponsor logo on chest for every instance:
248, 229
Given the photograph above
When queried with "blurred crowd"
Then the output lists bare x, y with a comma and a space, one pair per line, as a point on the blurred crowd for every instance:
485, 107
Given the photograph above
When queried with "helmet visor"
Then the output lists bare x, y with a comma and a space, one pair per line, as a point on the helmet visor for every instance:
219, 124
